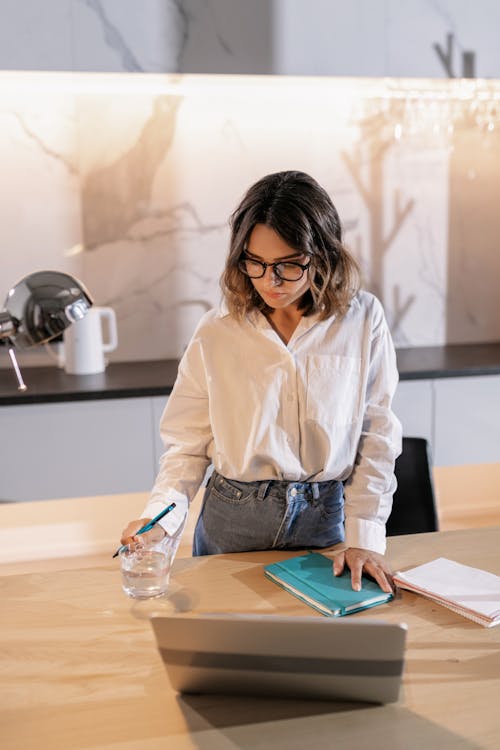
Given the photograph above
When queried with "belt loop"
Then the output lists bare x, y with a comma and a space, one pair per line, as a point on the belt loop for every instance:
263, 487
315, 490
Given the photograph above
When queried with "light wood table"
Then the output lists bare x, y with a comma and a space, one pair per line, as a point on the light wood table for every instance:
80, 669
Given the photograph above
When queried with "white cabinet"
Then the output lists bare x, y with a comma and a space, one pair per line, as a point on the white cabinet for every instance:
108, 446
467, 417
460, 417
76, 449
414, 406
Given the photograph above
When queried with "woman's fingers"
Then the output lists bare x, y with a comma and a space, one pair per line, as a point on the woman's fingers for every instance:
338, 563
373, 563
130, 531
382, 576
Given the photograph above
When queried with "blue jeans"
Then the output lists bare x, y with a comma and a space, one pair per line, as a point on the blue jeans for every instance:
245, 516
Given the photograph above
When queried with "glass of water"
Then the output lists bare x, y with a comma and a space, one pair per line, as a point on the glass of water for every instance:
146, 569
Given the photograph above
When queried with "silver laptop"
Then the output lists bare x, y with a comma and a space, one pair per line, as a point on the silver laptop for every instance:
301, 657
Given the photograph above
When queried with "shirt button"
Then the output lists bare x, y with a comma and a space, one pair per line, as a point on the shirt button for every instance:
290, 398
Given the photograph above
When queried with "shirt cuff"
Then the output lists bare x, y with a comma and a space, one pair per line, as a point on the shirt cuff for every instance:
173, 522
365, 534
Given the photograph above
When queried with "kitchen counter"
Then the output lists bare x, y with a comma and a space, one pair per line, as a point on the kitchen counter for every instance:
156, 377
120, 380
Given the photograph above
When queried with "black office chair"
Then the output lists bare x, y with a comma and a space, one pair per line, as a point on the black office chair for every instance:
414, 504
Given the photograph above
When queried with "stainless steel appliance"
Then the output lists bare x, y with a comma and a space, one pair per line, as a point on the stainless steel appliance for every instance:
38, 309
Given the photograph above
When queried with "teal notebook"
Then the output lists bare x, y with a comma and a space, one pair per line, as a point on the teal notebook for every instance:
310, 578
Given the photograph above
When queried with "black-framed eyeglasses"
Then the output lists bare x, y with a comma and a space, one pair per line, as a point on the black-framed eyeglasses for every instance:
286, 270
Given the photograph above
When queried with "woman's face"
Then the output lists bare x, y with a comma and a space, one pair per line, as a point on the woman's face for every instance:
266, 245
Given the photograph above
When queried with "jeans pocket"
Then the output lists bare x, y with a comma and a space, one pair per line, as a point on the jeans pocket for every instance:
233, 519
232, 492
332, 503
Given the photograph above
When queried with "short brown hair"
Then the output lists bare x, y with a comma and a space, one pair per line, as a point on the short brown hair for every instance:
297, 208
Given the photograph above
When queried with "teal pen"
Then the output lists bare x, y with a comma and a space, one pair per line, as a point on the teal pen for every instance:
148, 526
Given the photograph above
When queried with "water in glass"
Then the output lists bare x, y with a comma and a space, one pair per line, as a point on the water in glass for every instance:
145, 572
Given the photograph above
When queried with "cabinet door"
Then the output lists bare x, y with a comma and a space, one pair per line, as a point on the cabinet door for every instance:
467, 420
413, 405
76, 449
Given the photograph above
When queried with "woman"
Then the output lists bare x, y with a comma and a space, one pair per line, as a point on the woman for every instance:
287, 391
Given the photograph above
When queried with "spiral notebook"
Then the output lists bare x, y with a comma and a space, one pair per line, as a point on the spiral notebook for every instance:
310, 578
468, 591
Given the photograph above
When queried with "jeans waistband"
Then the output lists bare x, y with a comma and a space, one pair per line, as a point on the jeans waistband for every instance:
266, 484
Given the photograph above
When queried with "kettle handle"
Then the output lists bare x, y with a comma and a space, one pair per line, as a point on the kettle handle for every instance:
109, 314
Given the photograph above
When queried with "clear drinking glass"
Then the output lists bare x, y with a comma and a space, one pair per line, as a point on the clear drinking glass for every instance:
146, 569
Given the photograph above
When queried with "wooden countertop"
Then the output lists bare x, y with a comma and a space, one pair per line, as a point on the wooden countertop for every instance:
80, 667
157, 377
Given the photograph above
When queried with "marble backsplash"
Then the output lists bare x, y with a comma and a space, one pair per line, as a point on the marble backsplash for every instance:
127, 181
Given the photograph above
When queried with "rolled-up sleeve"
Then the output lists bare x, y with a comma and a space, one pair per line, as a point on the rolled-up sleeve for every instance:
369, 489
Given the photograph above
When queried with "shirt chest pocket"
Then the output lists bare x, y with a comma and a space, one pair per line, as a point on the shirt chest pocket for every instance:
333, 389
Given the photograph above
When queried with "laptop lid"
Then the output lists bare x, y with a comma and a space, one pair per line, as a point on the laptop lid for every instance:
302, 657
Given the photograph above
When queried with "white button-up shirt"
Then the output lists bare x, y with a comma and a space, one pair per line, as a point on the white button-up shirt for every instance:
315, 409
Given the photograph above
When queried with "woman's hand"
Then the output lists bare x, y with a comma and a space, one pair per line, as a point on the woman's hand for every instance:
129, 534
358, 560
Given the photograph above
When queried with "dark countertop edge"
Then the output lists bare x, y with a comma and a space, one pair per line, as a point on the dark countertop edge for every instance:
449, 373
19, 397
121, 380
138, 379
450, 361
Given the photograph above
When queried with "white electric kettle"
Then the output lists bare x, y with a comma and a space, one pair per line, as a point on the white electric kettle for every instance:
85, 344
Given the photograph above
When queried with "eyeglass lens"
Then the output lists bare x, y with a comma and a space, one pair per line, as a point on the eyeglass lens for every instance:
255, 269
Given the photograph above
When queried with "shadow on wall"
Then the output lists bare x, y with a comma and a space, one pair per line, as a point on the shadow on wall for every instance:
366, 167
472, 312
117, 196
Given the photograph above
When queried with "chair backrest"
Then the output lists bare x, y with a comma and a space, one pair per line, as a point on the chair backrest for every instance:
414, 504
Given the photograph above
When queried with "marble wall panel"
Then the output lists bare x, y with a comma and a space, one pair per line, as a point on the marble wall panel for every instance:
442, 38
128, 182
35, 35
228, 36
136, 37
40, 214
317, 37
330, 37
422, 38
92, 35
473, 258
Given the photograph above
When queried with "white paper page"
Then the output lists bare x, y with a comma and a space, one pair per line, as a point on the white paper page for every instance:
468, 587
